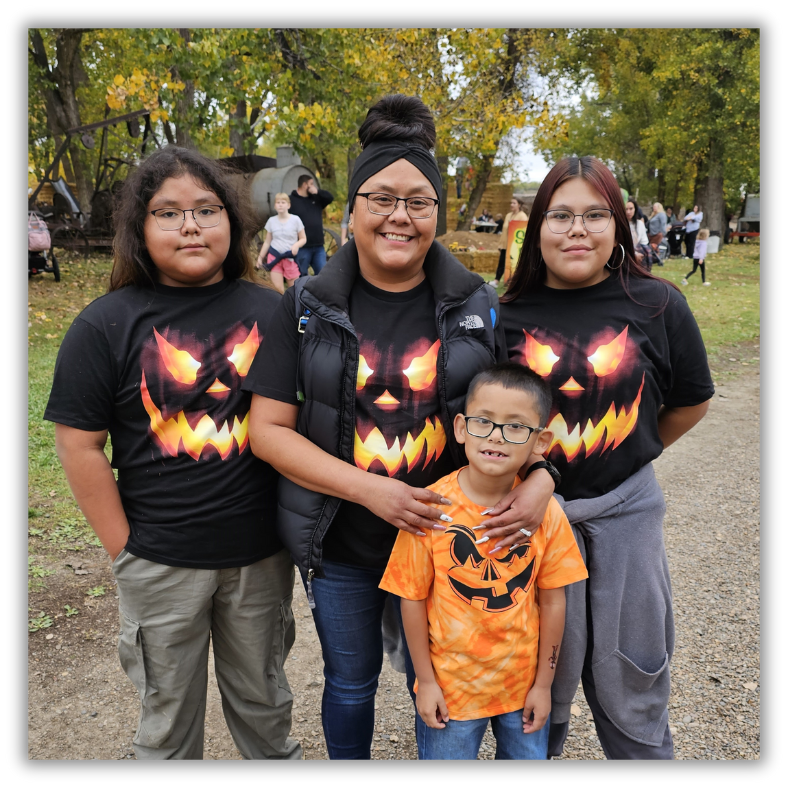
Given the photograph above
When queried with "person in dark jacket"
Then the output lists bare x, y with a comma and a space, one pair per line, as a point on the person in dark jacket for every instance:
308, 203
364, 369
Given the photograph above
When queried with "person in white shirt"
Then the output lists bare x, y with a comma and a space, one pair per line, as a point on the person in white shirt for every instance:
285, 236
693, 221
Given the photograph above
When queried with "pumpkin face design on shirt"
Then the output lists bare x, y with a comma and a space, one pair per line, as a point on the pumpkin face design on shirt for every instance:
398, 427
191, 391
486, 582
597, 384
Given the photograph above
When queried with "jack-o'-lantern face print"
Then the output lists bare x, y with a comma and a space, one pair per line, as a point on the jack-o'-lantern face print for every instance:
487, 583
191, 391
398, 428
597, 385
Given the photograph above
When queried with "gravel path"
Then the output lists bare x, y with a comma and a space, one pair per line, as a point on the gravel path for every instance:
711, 482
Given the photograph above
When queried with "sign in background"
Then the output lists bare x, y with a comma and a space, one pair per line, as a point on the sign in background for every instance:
515, 240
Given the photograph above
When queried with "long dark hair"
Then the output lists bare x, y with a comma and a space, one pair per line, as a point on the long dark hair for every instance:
530, 271
132, 265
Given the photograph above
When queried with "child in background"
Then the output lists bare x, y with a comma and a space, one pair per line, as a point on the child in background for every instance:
285, 235
700, 250
482, 647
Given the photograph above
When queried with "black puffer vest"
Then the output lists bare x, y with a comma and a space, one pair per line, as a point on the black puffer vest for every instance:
467, 320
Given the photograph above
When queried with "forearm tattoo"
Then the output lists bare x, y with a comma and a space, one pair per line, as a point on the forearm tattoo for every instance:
553, 657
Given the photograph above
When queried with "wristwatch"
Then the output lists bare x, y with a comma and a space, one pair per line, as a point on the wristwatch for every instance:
553, 472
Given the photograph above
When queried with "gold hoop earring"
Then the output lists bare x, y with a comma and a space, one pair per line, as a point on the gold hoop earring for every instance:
615, 267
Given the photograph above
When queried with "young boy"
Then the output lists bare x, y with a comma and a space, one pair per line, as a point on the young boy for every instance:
482, 647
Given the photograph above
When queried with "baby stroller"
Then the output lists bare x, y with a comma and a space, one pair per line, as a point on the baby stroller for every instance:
675, 237
40, 257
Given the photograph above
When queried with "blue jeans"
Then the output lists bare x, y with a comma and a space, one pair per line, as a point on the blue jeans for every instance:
311, 255
459, 740
349, 606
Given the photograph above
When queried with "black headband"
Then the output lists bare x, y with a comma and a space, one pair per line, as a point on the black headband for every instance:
379, 155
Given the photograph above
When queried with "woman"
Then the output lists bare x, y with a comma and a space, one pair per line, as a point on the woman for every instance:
638, 232
693, 221
656, 225
516, 214
629, 374
363, 371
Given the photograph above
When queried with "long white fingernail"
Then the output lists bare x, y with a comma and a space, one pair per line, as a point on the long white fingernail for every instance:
488, 511
478, 527
483, 539
446, 518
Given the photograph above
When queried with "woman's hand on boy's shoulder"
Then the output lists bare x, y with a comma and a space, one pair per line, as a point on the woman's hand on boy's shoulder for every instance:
522, 508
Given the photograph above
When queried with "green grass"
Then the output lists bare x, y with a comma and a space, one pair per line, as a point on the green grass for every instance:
728, 313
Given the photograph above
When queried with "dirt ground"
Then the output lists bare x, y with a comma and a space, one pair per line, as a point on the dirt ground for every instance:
82, 706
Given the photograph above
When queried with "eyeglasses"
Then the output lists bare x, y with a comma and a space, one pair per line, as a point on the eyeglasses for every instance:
596, 220
174, 218
385, 204
479, 427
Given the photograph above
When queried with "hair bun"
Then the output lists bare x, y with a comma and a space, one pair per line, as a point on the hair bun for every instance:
399, 117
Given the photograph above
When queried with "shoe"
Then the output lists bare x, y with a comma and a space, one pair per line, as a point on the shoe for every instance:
494, 283
684, 281
706, 284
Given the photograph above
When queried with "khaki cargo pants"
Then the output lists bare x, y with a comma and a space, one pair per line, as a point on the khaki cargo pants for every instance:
167, 616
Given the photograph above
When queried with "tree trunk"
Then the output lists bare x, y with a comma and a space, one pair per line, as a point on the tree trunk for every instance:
185, 101
709, 191
662, 187
441, 222
482, 174
238, 120
63, 111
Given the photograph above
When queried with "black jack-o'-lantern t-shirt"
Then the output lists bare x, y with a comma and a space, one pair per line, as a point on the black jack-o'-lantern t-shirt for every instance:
611, 364
162, 370
399, 432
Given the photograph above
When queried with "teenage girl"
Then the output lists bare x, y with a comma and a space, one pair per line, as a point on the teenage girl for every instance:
284, 233
628, 371
158, 365
700, 250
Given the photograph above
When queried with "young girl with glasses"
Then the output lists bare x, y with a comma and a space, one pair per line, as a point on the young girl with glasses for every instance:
629, 376
158, 365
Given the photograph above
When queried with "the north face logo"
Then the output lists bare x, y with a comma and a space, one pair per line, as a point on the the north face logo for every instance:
472, 321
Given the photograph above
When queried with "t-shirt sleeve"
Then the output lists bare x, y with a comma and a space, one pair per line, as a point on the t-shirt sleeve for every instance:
298, 223
410, 572
562, 562
273, 371
269, 226
85, 380
691, 380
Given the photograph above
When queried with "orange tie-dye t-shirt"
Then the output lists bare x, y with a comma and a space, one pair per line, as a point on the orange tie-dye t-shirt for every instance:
483, 612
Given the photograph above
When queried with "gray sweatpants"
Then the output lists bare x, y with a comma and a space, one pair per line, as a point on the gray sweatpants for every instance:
167, 615
618, 623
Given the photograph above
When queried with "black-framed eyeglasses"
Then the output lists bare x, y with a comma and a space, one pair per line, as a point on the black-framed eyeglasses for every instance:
174, 218
479, 427
596, 220
385, 204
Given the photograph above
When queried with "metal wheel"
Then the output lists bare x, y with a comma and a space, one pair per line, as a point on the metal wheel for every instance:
70, 238
331, 242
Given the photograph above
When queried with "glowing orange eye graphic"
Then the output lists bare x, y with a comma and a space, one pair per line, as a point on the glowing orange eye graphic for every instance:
363, 373
244, 352
422, 370
607, 357
539, 358
178, 362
